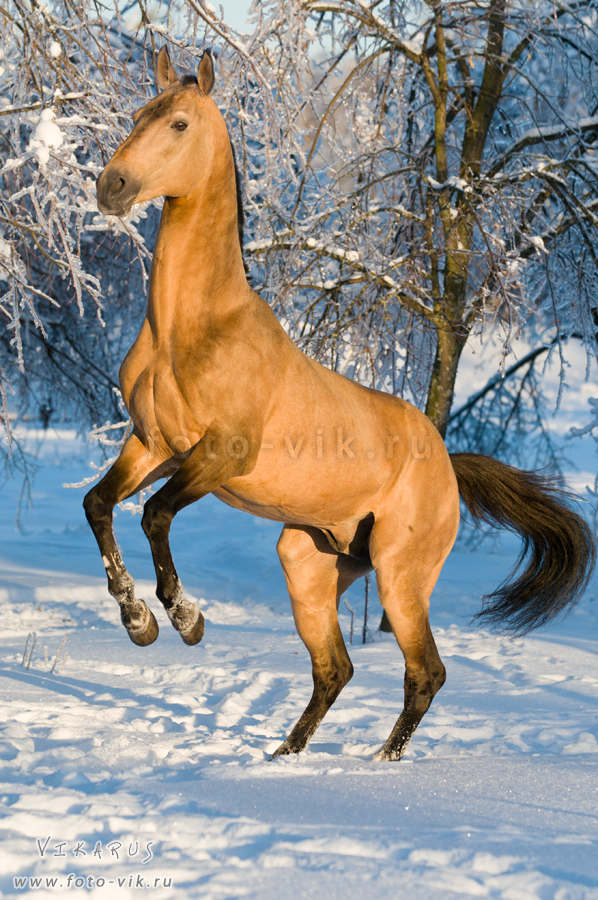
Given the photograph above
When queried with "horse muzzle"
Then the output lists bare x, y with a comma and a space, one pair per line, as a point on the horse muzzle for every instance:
116, 190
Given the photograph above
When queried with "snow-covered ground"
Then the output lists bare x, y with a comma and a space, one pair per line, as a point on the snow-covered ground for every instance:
168, 746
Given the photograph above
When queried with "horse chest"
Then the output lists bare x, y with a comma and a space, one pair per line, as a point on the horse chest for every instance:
160, 410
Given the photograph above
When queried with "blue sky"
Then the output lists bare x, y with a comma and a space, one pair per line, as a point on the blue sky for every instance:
235, 11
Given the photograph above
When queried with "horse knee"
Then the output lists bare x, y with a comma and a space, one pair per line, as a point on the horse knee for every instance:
295, 546
95, 508
155, 520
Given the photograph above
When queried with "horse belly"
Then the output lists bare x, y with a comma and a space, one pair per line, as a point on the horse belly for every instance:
317, 492
340, 472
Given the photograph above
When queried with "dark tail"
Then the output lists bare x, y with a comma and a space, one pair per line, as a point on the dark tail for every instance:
558, 552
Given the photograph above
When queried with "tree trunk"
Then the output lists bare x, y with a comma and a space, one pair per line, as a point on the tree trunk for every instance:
449, 347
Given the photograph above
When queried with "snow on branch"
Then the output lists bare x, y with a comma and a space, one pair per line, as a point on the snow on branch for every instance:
543, 135
350, 258
411, 48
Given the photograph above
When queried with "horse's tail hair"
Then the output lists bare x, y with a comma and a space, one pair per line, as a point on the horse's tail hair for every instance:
558, 553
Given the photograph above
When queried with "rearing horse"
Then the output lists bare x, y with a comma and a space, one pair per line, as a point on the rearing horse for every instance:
223, 402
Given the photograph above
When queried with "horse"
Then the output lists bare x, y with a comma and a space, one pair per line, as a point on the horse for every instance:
223, 402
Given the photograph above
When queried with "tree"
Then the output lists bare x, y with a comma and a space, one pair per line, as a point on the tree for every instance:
440, 173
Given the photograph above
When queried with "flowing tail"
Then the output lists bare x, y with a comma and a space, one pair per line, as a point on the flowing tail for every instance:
558, 551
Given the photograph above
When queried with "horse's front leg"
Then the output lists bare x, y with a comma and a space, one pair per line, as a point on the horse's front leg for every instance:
133, 469
201, 473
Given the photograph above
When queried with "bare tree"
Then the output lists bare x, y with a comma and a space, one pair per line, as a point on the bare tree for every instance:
440, 173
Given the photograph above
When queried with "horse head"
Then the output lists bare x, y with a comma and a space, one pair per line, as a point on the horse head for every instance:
174, 145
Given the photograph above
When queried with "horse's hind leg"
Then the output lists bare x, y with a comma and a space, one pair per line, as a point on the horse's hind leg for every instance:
133, 467
405, 580
316, 578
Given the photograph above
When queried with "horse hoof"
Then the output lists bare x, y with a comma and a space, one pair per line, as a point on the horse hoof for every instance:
385, 755
194, 634
284, 750
147, 634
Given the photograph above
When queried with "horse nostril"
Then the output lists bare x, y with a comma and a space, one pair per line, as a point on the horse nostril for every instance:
116, 191
116, 186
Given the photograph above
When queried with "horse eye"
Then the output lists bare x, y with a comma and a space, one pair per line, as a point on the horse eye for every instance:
179, 126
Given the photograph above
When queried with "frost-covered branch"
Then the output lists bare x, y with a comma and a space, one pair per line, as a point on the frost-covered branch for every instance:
350, 259
544, 135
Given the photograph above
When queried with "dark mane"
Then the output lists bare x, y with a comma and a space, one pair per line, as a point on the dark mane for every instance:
240, 210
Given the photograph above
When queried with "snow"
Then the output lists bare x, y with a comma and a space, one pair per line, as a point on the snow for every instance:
335, 251
351, 256
55, 50
415, 46
47, 136
459, 183
552, 132
14, 163
538, 243
71, 95
154, 762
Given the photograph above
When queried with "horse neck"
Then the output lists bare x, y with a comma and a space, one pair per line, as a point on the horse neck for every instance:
197, 271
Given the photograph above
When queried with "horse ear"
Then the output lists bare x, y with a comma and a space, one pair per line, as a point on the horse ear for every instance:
165, 73
205, 73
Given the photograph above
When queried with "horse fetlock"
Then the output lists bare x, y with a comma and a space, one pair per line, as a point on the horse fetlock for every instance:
394, 748
133, 612
419, 691
285, 749
121, 585
389, 754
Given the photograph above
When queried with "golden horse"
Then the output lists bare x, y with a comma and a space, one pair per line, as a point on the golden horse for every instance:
223, 402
